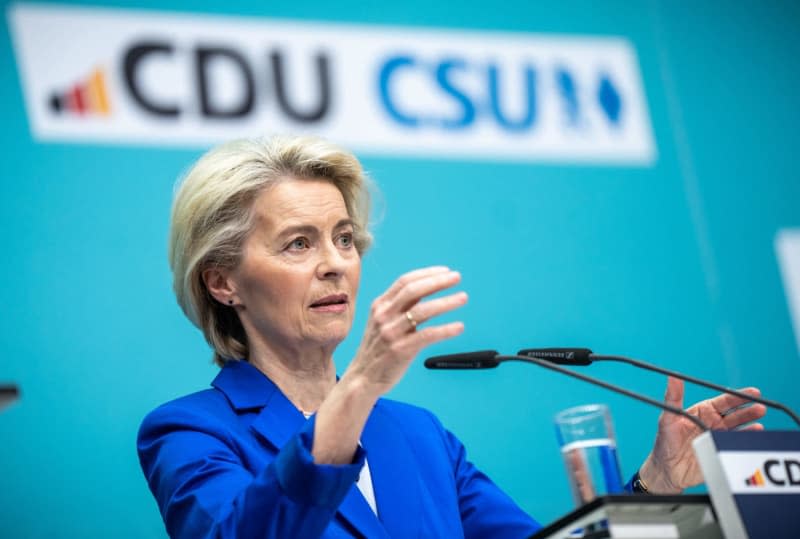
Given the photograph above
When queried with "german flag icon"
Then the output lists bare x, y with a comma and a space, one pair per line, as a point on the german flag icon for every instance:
755, 480
86, 97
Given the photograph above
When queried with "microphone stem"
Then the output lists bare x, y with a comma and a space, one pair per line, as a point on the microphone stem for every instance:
698, 381
553, 367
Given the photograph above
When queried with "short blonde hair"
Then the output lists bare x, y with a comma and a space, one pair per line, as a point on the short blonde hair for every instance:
212, 216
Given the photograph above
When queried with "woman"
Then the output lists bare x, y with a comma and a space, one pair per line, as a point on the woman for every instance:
265, 247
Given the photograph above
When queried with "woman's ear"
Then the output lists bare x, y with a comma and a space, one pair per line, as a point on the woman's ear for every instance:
220, 285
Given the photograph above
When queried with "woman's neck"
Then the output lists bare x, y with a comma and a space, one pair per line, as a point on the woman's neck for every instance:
305, 376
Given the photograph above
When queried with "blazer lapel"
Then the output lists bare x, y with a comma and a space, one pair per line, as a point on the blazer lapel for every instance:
248, 388
358, 514
278, 421
394, 474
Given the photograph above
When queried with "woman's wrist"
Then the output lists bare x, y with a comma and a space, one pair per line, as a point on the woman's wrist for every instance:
655, 478
340, 421
358, 389
639, 485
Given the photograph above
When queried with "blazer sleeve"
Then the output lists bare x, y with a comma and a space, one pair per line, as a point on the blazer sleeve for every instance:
486, 511
204, 490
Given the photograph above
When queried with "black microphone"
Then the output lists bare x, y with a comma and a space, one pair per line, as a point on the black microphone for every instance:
485, 359
584, 356
488, 359
562, 356
8, 394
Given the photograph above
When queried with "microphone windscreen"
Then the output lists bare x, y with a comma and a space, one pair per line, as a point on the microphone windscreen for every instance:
484, 359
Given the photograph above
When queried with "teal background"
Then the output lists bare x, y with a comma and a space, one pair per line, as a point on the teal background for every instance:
672, 263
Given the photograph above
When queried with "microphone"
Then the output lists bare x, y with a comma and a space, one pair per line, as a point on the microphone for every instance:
488, 359
485, 359
562, 356
584, 356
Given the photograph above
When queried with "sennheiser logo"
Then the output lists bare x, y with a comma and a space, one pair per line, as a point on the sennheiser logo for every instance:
551, 353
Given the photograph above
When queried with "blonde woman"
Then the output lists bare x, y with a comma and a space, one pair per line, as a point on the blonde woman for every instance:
266, 243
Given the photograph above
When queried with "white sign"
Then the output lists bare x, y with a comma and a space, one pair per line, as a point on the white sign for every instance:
121, 76
787, 244
762, 472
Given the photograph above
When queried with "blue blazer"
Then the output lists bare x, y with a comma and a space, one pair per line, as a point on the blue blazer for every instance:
235, 461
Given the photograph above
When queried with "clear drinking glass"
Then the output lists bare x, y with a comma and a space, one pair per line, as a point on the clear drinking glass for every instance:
589, 449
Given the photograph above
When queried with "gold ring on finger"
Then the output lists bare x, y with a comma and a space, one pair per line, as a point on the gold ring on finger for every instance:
411, 321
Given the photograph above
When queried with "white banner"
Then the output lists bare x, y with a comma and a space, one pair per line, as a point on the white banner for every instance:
121, 76
787, 245
762, 472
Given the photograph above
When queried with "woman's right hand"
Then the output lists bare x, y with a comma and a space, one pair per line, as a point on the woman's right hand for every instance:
392, 339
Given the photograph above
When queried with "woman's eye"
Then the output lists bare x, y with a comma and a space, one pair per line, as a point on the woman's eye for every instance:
346, 240
298, 244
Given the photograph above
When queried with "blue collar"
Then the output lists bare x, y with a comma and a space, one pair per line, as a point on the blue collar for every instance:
244, 385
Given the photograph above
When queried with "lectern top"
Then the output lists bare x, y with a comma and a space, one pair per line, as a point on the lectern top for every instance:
632, 515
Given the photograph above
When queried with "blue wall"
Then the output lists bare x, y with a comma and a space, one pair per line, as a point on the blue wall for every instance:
673, 263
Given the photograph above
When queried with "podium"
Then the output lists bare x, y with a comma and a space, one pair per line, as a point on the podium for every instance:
8, 394
753, 480
638, 516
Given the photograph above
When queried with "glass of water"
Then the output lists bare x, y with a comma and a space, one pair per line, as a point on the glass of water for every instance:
589, 450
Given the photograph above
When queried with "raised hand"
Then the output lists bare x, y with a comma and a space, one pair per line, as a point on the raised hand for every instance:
392, 339
391, 342
672, 466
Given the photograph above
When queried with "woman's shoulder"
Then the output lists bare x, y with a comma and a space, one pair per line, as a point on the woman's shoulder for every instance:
199, 410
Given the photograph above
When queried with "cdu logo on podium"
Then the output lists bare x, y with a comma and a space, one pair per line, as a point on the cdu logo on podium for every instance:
753, 479
779, 472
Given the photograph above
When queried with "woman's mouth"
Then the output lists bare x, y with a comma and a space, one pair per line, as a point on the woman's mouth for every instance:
335, 303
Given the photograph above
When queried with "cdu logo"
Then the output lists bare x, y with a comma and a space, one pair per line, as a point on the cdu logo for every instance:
86, 97
224, 83
778, 472
755, 480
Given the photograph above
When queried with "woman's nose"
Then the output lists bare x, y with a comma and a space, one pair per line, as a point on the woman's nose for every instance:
331, 263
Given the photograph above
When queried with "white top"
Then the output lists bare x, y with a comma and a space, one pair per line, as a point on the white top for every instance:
364, 484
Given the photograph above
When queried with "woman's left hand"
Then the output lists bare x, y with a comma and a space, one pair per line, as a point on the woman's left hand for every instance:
671, 465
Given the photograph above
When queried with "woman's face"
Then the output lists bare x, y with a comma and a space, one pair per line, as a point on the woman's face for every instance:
299, 273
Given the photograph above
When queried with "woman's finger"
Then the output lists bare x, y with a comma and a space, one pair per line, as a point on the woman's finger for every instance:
418, 340
673, 396
754, 426
425, 310
743, 415
407, 321
725, 402
412, 276
411, 293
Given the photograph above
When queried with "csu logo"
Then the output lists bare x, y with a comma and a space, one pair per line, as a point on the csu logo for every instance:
472, 91
784, 472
